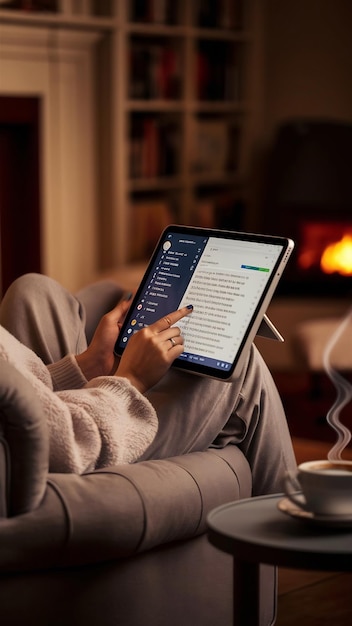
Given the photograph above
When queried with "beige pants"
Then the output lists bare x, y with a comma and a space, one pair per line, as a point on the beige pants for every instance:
194, 412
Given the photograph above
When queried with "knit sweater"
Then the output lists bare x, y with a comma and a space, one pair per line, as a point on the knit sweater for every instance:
91, 424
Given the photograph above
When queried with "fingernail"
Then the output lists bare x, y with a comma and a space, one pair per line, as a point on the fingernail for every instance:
189, 306
127, 296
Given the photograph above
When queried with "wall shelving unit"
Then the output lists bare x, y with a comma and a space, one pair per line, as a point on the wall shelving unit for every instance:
173, 112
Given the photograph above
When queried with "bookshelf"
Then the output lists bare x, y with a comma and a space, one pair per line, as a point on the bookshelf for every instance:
173, 112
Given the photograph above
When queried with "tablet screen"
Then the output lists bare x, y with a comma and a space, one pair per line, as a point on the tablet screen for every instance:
228, 277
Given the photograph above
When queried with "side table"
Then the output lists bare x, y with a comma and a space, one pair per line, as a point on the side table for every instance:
255, 532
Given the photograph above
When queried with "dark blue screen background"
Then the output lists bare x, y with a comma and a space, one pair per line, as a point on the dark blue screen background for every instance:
163, 288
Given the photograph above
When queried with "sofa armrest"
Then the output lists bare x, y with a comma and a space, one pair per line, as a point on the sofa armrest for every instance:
120, 511
24, 444
68, 519
171, 497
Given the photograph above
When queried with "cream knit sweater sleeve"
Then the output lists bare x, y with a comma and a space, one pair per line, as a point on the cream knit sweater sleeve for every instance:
91, 424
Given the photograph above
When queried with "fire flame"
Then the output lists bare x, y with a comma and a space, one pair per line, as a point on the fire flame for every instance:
337, 257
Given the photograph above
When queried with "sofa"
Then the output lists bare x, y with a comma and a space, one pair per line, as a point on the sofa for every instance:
124, 545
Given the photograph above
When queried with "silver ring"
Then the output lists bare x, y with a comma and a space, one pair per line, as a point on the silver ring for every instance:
173, 341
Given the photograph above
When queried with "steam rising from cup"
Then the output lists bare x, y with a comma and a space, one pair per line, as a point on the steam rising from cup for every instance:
343, 388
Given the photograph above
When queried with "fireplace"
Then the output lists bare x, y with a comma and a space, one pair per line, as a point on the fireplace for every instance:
321, 264
49, 165
308, 197
20, 249
323, 261
325, 247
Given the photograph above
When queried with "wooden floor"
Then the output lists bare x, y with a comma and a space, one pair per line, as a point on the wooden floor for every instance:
309, 598
317, 601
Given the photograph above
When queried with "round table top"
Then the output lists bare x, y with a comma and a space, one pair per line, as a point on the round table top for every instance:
255, 530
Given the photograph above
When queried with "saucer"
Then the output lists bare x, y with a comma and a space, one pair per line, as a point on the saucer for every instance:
331, 521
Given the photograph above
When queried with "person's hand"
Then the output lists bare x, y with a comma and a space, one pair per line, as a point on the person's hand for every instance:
99, 358
150, 352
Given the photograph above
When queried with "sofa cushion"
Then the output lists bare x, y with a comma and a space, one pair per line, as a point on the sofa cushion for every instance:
23, 426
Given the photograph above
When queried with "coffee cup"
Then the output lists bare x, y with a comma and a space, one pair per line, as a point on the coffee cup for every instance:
326, 487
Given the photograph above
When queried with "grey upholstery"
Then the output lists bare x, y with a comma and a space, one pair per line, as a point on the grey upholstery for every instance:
24, 439
125, 545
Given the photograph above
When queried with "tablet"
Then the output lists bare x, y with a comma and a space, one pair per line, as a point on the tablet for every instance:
228, 277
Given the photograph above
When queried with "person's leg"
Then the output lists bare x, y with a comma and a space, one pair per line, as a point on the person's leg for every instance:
195, 413
267, 443
44, 316
51, 321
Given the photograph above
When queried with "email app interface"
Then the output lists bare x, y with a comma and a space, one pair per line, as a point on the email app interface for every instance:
223, 279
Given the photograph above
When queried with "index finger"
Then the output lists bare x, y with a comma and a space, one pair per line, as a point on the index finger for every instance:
171, 318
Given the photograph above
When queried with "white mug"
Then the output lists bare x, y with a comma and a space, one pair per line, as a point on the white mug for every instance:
326, 487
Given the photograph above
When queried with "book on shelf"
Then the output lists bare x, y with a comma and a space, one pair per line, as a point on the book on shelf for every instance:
210, 147
147, 218
218, 71
154, 147
227, 14
154, 11
155, 71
